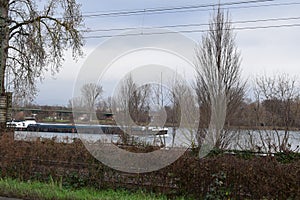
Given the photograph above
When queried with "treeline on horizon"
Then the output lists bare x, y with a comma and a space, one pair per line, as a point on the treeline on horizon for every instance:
272, 112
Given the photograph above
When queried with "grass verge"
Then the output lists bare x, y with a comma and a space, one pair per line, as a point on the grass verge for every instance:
37, 190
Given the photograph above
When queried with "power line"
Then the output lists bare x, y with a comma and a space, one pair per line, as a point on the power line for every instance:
168, 9
197, 10
161, 8
193, 24
237, 7
192, 31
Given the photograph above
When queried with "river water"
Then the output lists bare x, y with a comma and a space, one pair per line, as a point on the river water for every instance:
255, 140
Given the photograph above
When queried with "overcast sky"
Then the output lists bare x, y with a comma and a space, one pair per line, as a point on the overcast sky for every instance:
263, 50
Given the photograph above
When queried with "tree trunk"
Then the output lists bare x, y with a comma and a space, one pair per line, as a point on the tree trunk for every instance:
4, 37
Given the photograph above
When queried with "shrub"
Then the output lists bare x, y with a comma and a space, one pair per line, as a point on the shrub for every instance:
218, 176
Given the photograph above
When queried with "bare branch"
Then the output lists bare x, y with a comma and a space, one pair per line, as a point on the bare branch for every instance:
38, 39
218, 75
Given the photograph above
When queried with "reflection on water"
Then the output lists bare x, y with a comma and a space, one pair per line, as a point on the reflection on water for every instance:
178, 138
266, 140
242, 140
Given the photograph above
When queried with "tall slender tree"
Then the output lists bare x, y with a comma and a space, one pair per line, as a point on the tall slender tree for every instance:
219, 87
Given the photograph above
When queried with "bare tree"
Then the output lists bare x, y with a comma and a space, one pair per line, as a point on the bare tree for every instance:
122, 100
280, 99
185, 112
133, 102
33, 40
90, 94
218, 86
129, 105
139, 104
160, 104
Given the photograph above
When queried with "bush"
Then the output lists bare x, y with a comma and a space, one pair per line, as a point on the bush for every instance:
218, 176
